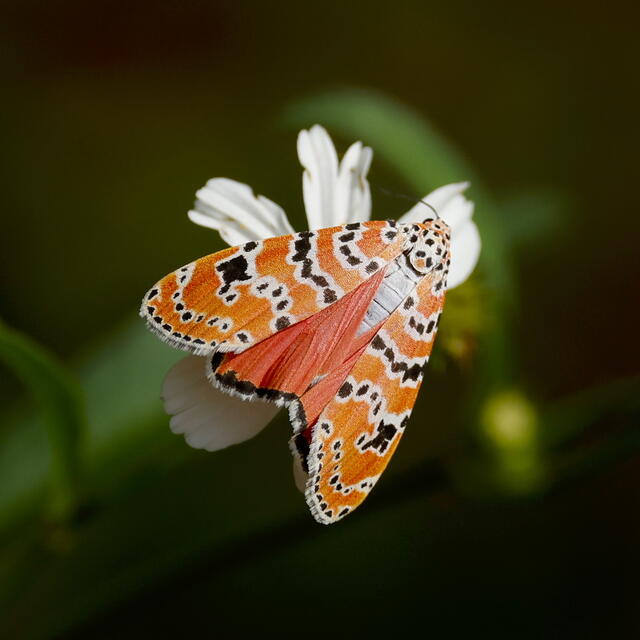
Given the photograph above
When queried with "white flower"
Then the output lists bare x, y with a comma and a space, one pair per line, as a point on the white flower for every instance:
335, 193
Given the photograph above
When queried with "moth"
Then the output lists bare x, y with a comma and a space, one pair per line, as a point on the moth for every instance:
335, 324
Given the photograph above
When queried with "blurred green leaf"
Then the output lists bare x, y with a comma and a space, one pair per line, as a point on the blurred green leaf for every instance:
60, 399
121, 382
532, 215
571, 417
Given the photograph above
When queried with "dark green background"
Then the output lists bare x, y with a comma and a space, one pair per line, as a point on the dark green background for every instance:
114, 113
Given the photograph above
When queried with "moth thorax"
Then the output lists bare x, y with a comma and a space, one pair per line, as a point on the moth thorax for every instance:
429, 245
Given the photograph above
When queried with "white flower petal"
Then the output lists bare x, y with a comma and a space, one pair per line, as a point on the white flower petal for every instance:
457, 212
353, 196
237, 213
232, 233
465, 251
208, 418
445, 200
334, 193
318, 157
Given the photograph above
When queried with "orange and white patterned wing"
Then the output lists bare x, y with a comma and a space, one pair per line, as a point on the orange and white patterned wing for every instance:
355, 435
234, 299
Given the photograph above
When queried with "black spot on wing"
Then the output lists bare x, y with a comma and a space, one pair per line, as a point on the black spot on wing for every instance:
233, 270
385, 433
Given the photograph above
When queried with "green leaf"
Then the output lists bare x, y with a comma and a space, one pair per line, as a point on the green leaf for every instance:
533, 215
121, 382
570, 418
60, 400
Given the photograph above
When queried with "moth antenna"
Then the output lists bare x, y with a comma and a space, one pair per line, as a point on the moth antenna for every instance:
404, 196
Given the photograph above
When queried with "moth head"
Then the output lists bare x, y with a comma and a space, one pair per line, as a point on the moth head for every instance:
429, 242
